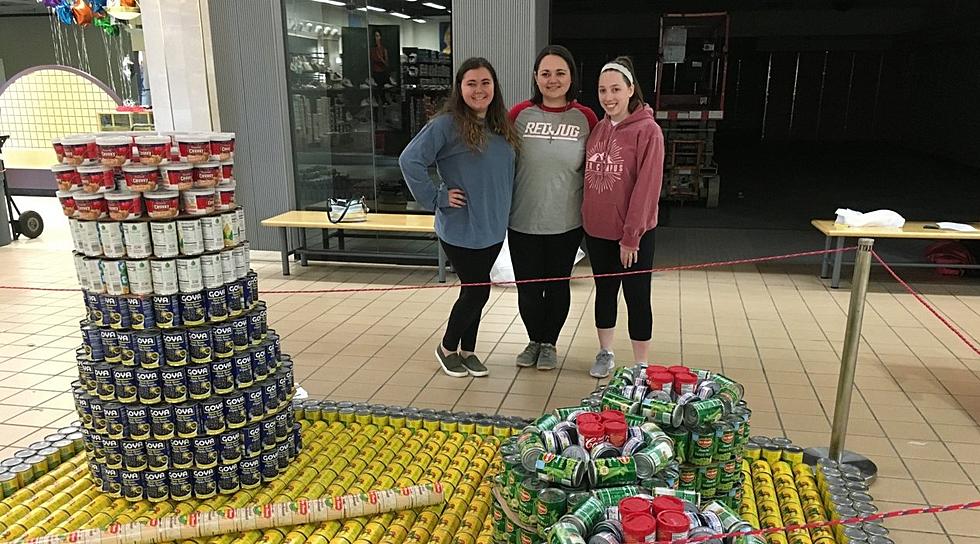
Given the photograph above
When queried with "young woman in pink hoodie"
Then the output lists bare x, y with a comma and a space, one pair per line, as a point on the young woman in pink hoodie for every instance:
623, 176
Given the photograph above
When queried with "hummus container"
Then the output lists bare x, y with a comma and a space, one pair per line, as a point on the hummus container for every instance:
67, 200
90, 206
194, 147
66, 177
79, 148
227, 170
114, 150
224, 197
152, 149
123, 205
222, 145
96, 178
59, 149
207, 174
198, 201
177, 176
162, 204
141, 177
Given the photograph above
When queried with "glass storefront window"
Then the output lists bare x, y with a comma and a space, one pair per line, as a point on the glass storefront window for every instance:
364, 77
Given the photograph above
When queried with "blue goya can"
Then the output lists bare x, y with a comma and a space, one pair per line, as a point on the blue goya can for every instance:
105, 388
268, 433
278, 343
217, 303
148, 388
132, 485
110, 345
86, 374
97, 450
222, 376
134, 455
260, 363
205, 484
239, 333
224, 345
269, 462
92, 342
157, 455
115, 420
141, 312
270, 394
263, 318
96, 470
98, 415
93, 307
254, 404
235, 415
127, 347
251, 289
205, 451
213, 416
174, 384
192, 310
176, 351
252, 439
255, 327
283, 428
181, 486
232, 447
116, 311
242, 368
156, 486
284, 383
181, 453
166, 311
187, 420
83, 407
162, 422
113, 452
282, 455
199, 382
228, 481
149, 349
200, 342
111, 483
250, 473
235, 297
138, 421
271, 356
124, 383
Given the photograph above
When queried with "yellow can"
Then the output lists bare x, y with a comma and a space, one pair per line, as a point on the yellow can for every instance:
414, 445
752, 519
364, 481
480, 464
441, 536
473, 477
405, 518
464, 538
427, 519
384, 482
317, 539
770, 521
479, 507
457, 506
776, 538
761, 466
413, 473
767, 507
418, 534
799, 536
784, 480
374, 532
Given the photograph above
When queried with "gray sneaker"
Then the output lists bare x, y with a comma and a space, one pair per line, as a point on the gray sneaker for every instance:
451, 364
529, 356
604, 362
474, 366
548, 357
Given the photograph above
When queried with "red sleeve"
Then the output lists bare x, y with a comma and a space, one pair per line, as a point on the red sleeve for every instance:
588, 113
517, 109
645, 199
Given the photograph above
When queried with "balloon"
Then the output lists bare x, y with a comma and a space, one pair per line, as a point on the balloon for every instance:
83, 13
105, 23
97, 5
52, 3
65, 14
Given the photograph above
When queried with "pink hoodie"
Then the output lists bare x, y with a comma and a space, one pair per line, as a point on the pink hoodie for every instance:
624, 169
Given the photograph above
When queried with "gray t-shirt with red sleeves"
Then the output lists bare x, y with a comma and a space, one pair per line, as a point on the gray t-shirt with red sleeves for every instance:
550, 167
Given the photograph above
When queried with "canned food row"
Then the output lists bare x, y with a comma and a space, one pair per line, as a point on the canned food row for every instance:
134, 195
162, 239
141, 312
179, 346
117, 149
192, 392
410, 417
39, 458
180, 484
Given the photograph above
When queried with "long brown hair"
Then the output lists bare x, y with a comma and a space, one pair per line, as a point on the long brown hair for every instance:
470, 126
636, 100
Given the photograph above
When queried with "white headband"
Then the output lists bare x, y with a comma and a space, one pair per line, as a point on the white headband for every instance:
619, 68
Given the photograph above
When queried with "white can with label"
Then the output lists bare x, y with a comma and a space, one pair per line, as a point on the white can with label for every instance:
229, 229
82, 272
164, 274
227, 265
240, 223
211, 270
211, 232
190, 237
248, 255
140, 277
241, 267
164, 235
94, 273
111, 235
115, 277
88, 235
136, 236
76, 237
189, 277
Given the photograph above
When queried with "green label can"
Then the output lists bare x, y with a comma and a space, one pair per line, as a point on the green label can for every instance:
661, 412
708, 481
615, 471
560, 470
611, 496
701, 449
729, 475
682, 441
549, 509
652, 459
588, 513
615, 401
545, 422
729, 389
688, 478
705, 412
527, 499
726, 515
565, 533
725, 437
689, 496
566, 412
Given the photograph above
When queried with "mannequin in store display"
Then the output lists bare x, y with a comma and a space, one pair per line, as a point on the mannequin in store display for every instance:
546, 215
473, 144
623, 177
380, 67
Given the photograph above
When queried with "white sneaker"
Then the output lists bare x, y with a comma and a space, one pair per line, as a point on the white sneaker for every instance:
604, 363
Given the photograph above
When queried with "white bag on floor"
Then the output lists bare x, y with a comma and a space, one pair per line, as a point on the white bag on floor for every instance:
877, 218
503, 267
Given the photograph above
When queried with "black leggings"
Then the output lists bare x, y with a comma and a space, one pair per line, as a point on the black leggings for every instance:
543, 305
472, 266
604, 256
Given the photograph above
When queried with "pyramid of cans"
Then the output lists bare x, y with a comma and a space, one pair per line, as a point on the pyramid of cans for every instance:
183, 390
653, 455
780, 491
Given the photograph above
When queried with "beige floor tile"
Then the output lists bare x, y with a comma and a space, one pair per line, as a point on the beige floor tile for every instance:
439, 395
943, 416
922, 449
973, 471
21, 380
936, 471
402, 395
963, 523
891, 467
482, 400
964, 453
911, 431
957, 539
319, 389
490, 385
926, 523
949, 493
30, 397
960, 433
525, 402
911, 537
11, 434
815, 423
870, 445
894, 489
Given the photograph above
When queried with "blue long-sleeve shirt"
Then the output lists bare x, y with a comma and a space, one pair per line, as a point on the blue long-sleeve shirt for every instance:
486, 177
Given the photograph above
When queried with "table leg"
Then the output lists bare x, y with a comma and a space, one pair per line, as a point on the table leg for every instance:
325, 234
838, 257
302, 245
825, 260
442, 262
340, 239
284, 249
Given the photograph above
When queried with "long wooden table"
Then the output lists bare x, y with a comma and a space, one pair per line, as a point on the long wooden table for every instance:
376, 222
915, 230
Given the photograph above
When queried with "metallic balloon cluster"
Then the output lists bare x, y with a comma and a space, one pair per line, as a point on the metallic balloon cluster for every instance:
87, 12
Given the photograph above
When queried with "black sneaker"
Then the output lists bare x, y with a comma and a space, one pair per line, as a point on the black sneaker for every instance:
451, 364
474, 366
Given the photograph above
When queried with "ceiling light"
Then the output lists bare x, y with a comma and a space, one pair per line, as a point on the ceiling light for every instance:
333, 2
375, 8
400, 15
419, 20
433, 6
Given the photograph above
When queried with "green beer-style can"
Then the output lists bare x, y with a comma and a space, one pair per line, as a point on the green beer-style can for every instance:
701, 449
682, 438
611, 496
725, 438
565, 533
615, 401
612, 471
550, 508
704, 412
560, 470
663, 413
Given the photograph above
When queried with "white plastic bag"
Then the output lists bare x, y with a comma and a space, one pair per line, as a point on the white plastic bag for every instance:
877, 218
503, 267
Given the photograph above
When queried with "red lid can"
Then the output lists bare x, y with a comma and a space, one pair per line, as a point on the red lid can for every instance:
588, 417
633, 505
666, 503
653, 369
672, 526
678, 369
616, 432
639, 529
660, 381
684, 383
591, 434
612, 415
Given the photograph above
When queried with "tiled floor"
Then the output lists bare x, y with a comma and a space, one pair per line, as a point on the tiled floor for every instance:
776, 328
